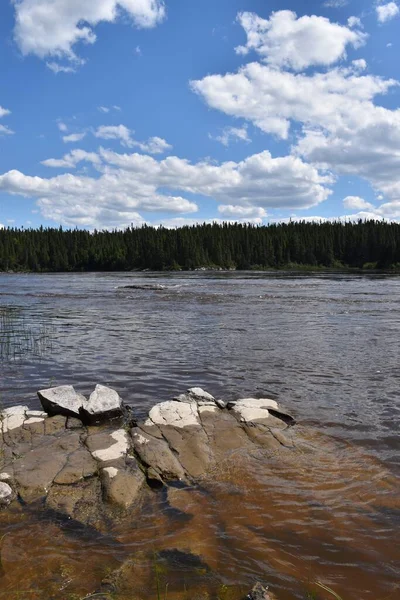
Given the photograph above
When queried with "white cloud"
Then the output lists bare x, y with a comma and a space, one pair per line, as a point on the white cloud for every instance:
386, 12
271, 98
52, 28
354, 22
241, 212
62, 126
73, 137
360, 64
129, 183
335, 3
138, 51
154, 145
357, 203
69, 161
4, 130
341, 128
103, 109
57, 68
232, 134
287, 41
4, 112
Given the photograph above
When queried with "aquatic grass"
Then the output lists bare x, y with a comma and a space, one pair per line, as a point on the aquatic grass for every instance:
329, 590
19, 339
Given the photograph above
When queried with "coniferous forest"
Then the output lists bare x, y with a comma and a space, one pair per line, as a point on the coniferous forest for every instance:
366, 244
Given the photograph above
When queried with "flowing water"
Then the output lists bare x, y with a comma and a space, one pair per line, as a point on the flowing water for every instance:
325, 345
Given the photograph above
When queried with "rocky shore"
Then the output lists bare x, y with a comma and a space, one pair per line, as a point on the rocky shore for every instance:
90, 461
86, 457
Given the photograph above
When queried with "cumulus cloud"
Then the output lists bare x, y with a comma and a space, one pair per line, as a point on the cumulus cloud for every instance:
341, 127
356, 203
271, 98
69, 161
129, 183
230, 134
386, 12
154, 145
73, 137
242, 212
52, 28
284, 40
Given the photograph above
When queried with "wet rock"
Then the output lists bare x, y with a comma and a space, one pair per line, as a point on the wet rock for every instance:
259, 592
6, 494
62, 400
81, 501
104, 404
123, 487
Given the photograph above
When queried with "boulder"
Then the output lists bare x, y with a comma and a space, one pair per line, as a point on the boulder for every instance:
62, 400
6, 494
104, 404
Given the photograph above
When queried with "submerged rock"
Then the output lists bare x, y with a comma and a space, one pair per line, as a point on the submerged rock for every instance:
259, 592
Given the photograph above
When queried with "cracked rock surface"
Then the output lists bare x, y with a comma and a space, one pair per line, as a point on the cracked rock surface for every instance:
92, 473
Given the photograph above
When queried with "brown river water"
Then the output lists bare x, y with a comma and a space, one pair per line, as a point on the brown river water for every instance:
326, 346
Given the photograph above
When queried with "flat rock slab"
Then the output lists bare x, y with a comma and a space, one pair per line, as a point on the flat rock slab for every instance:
62, 400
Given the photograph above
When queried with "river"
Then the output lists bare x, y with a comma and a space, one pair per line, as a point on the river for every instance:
325, 345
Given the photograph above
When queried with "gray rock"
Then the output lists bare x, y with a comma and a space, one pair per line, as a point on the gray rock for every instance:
62, 400
6, 494
104, 403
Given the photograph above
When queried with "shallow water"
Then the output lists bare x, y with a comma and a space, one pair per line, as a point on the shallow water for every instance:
326, 346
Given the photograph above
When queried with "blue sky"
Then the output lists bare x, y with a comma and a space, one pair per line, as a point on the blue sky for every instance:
132, 111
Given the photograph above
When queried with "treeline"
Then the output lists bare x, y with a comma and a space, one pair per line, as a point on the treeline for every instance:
366, 244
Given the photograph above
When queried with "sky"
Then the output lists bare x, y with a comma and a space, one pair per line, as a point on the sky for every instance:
124, 112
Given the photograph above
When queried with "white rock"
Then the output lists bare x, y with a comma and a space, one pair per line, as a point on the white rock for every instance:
5, 477
254, 409
200, 393
111, 472
103, 402
115, 451
6, 493
36, 413
62, 400
12, 418
33, 420
176, 414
